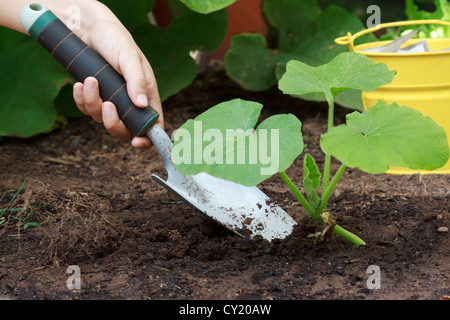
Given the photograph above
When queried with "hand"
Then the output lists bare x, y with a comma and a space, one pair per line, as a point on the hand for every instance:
112, 41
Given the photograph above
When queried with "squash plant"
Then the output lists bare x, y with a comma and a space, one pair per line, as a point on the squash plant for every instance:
382, 136
300, 30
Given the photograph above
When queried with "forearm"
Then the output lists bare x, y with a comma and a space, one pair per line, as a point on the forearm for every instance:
63, 9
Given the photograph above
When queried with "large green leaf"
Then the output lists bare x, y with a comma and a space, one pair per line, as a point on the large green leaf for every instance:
348, 70
222, 141
130, 13
195, 31
173, 67
305, 33
388, 135
64, 103
168, 50
30, 81
207, 6
252, 63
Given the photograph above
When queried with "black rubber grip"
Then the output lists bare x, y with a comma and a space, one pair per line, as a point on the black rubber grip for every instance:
81, 62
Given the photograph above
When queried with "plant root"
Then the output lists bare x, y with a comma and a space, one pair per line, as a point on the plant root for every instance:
327, 231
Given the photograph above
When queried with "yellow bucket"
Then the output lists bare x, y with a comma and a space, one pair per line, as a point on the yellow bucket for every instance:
422, 81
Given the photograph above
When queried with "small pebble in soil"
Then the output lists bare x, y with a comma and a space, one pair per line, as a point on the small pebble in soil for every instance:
442, 229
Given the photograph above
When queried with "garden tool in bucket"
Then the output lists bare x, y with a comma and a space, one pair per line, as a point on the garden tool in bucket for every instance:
422, 81
245, 210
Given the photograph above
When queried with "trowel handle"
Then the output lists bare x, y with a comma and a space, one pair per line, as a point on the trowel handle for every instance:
81, 62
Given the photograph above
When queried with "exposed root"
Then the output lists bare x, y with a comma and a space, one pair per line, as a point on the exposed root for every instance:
327, 231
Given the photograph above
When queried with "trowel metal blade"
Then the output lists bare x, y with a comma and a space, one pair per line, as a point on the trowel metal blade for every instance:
247, 211
394, 45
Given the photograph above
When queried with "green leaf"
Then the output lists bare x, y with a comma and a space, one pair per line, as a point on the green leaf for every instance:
174, 69
207, 6
168, 50
311, 179
222, 141
251, 63
130, 13
349, 70
386, 135
31, 80
290, 18
196, 31
64, 103
442, 12
32, 224
304, 33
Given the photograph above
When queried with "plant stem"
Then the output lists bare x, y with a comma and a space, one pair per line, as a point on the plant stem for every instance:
349, 236
303, 201
326, 173
327, 164
316, 215
326, 195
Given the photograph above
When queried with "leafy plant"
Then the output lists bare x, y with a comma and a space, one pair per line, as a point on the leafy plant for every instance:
442, 12
31, 104
234, 140
207, 6
168, 50
385, 135
304, 32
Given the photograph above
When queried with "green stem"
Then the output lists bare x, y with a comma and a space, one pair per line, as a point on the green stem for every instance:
316, 215
300, 197
326, 173
326, 195
349, 236
327, 164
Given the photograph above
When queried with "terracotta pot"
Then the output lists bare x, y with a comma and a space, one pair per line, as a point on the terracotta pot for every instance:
243, 16
162, 13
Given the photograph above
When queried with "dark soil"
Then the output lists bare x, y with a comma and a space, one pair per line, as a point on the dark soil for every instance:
99, 209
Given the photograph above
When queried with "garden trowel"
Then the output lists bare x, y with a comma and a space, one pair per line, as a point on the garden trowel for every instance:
245, 210
395, 45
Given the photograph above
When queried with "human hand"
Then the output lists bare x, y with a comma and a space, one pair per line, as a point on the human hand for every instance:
106, 35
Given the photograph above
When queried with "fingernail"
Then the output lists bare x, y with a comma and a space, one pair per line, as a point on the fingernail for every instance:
142, 99
89, 85
107, 109
77, 89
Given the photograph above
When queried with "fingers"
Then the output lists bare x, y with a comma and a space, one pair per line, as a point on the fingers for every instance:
112, 122
134, 75
116, 127
152, 89
141, 142
78, 97
87, 98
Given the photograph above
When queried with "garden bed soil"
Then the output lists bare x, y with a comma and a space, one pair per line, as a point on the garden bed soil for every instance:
99, 209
